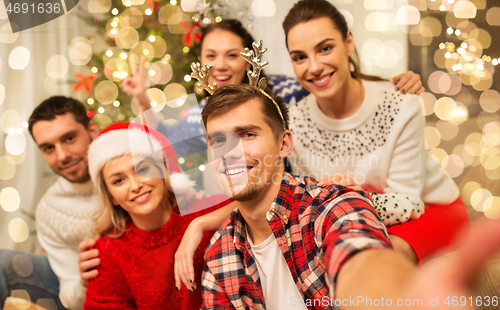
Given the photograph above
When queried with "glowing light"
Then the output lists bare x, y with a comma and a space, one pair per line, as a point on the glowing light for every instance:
9, 199
19, 58
114, 24
449, 30
154, 103
202, 167
494, 211
181, 160
442, 46
114, 11
408, 15
442, 8
148, 12
109, 53
478, 199
480, 67
458, 32
152, 72
173, 2
94, 70
447, 55
218, 19
185, 49
187, 78
116, 103
263, 8
57, 66
127, 3
100, 110
15, 143
18, 230
152, 38
145, 52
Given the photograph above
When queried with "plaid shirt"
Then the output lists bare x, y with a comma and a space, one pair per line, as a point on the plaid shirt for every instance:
318, 230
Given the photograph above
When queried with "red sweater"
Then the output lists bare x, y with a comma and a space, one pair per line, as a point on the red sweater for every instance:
137, 269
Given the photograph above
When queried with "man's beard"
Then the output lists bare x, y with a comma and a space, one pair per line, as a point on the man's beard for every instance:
250, 192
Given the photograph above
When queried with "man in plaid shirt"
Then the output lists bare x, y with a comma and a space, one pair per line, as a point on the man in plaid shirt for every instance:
291, 244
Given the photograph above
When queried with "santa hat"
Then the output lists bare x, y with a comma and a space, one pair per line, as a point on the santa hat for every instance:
136, 140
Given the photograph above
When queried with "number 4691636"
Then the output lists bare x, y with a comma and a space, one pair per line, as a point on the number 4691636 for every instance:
477, 302
33, 8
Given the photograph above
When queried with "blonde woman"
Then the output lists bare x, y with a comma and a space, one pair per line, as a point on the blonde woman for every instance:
140, 224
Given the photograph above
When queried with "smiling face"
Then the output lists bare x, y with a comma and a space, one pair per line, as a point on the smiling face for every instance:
136, 189
221, 49
320, 57
64, 144
252, 158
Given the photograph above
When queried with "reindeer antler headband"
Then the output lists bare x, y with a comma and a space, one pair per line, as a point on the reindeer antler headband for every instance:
254, 58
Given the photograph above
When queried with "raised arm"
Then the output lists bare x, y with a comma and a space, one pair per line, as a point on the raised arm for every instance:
377, 274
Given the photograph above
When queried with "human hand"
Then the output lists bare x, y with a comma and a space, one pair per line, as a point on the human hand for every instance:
341, 180
88, 261
400, 245
453, 275
183, 266
134, 85
409, 83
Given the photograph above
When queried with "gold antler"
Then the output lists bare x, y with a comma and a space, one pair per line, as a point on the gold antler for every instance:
255, 59
201, 74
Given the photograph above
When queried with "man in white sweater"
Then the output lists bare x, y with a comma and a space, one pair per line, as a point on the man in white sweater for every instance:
63, 132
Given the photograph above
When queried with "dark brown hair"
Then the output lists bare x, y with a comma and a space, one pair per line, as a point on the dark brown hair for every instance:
307, 10
58, 105
228, 97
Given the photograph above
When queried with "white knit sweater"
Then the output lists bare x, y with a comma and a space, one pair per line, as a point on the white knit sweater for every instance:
381, 147
63, 220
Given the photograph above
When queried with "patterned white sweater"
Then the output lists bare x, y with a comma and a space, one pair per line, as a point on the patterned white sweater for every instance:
381, 147
63, 220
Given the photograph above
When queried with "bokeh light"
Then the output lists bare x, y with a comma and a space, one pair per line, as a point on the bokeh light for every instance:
447, 130
162, 72
15, 143
19, 58
9, 199
57, 66
490, 101
2, 94
465, 9
445, 108
175, 95
432, 137
79, 51
7, 168
494, 210
20, 299
453, 165
10, 119
22, 265
493, 16
99, 6
408, 15
18, 230
480, 201
106, 92
429, 102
